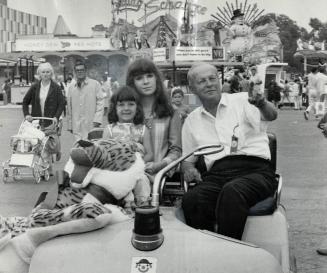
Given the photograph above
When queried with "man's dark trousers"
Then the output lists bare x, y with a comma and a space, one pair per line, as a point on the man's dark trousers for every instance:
232, 186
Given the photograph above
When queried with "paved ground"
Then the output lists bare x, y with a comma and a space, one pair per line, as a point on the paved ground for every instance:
302, 153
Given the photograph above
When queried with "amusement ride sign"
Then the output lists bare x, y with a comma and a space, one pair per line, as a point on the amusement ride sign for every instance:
184, 53
154, 6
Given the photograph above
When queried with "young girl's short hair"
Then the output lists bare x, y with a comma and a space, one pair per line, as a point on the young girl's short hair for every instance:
125, 93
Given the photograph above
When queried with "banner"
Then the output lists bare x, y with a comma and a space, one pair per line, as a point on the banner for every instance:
63, 44
192, 53
160, 54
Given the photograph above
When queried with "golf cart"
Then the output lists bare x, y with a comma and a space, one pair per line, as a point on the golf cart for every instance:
158, 239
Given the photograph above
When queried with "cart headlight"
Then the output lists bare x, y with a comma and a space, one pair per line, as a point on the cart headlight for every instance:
147, 233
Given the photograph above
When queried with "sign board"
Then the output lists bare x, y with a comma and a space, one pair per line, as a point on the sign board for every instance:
63, 44
155, 6
192, 54
218, 53
160, 54
141, 53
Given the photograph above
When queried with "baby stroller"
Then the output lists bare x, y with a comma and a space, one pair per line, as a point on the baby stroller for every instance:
31, 149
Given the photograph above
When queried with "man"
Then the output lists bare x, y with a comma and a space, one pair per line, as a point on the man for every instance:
245, 83
85, 103
313, 94
234, 183
295, 93
106, 89
114, 84
321, 84
255, 82
6, 90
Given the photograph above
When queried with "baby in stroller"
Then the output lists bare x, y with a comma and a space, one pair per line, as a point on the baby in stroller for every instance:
32, 147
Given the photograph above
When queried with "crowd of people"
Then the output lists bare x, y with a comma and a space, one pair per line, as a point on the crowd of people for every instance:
235, 115
301, 93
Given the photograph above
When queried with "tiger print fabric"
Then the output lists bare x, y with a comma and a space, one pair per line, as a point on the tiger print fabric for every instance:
68, 196
41, 217
107, 154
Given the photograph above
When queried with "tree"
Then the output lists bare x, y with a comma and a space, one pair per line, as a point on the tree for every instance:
320, 27
289, 32
305, 35
315, 23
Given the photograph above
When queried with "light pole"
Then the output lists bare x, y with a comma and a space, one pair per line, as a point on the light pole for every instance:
62, 65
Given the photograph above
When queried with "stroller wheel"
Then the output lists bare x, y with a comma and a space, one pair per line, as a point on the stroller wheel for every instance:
16, 174
37, 175
46, 175
5, 175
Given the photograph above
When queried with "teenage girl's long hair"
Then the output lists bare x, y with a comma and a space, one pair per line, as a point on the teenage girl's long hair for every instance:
162, 107
125, 93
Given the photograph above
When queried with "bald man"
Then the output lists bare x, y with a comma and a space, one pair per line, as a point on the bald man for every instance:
241, 175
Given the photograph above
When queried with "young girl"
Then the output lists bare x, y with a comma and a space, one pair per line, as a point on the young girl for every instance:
126, 120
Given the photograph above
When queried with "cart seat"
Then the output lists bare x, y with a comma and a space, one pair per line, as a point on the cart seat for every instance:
264, 207
95, 133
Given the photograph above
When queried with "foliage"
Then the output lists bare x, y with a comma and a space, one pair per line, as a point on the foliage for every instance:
289, 33
305, 35
315, 23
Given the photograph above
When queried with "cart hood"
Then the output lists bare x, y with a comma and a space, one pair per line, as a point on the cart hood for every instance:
184, 250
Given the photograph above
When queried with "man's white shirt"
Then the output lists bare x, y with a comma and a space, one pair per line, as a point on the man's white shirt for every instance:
235, 116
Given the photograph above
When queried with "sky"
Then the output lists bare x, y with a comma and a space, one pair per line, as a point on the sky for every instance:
81, 15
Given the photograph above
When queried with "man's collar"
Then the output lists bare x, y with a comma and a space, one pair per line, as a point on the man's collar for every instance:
223, 102
84, 82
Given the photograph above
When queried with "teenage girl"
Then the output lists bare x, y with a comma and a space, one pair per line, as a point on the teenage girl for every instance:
163, 122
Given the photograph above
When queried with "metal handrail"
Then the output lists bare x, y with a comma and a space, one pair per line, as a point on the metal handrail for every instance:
45, 118
279, 190
159, 180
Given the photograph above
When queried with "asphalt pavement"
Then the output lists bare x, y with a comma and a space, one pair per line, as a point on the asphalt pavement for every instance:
301, 160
